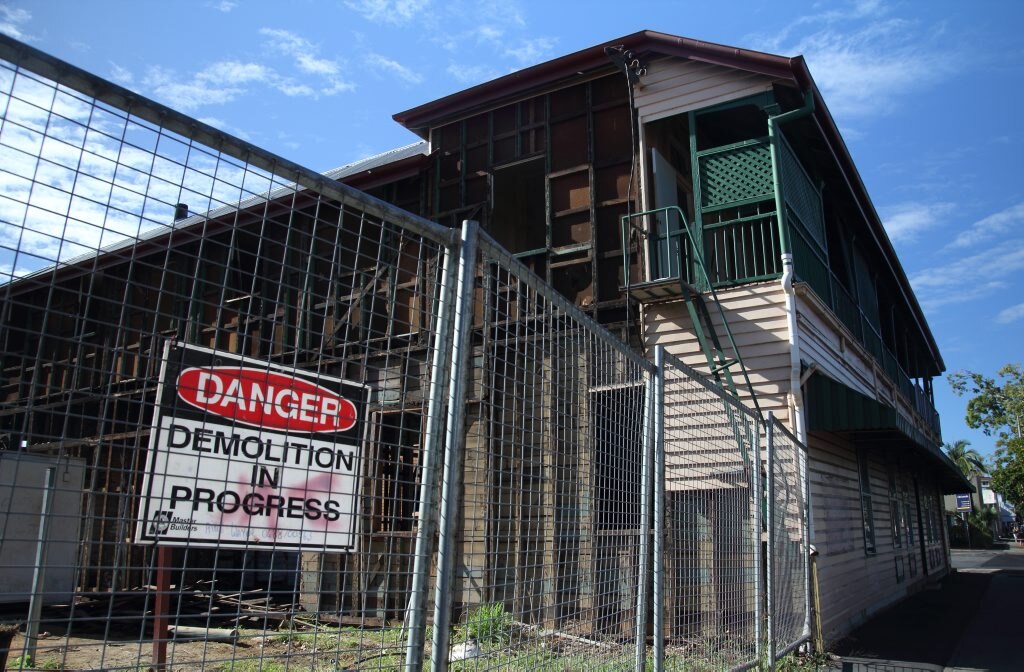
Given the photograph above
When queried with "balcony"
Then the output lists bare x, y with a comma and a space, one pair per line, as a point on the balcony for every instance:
736, 224
811, 268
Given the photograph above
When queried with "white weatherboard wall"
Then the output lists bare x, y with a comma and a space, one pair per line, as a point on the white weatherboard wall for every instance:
674, 86
757, 318
853, 584
22, 477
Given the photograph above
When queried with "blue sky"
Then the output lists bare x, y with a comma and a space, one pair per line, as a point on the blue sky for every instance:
927, 95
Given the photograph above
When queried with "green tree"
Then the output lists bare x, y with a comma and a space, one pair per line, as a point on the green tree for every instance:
995, 406
967, 459
1008, 472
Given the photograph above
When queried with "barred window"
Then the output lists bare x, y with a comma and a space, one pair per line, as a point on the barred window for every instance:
896, 513
867, 512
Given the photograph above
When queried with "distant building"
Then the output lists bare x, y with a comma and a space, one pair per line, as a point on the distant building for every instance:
980, 497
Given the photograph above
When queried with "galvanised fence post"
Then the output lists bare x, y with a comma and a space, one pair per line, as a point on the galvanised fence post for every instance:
433, 445
454, 444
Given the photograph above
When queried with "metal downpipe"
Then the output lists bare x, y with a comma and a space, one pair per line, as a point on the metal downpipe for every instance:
796, 396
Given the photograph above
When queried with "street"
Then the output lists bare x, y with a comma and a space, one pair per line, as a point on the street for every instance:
970, 622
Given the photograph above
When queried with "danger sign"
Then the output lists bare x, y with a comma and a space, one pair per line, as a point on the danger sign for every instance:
249, 453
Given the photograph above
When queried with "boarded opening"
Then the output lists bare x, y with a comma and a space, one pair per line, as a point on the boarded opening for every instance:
517, 211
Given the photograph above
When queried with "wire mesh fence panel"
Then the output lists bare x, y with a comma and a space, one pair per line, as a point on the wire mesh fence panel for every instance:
546, 558
228, 388
711, 560
215, 411
788, 552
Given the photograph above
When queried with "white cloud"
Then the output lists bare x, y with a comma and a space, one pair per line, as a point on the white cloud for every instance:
932, 301
471, 74
859, 74
384, 64
217, 122
225, 6
13, 21
505, 12
489, 34
302, 50
225, 81
188, 94
306, 59
530, 51
496, 30
69, 186
972, 277
991, 227
863, 60
316, 66
235, 72
981, 267
905, 221
121, 75
388, 11
1011, 314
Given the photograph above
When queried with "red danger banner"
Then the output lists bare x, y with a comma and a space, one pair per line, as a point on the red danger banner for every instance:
248, 453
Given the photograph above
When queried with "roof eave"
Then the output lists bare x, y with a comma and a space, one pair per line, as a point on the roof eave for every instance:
387, 172
420, 119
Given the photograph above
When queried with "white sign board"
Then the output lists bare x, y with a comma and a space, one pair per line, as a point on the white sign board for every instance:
246, 453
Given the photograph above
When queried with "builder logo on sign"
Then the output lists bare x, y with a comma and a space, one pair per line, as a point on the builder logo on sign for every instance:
161, 523
246, 453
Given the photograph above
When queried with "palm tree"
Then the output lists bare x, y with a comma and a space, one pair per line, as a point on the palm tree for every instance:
968, 460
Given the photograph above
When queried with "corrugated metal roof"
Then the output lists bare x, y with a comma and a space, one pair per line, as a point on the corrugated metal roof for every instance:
194, 219
391, 156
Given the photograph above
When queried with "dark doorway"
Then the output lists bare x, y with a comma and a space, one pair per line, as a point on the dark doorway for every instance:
518, 219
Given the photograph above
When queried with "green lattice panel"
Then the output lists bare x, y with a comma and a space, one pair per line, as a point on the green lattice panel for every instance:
735, 175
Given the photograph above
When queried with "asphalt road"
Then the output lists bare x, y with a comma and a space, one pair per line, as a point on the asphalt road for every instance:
972, 621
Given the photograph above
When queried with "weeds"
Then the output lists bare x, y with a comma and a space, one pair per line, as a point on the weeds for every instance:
489, 624
797, 662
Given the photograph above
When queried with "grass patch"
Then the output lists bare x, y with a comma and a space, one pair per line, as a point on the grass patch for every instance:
487, 624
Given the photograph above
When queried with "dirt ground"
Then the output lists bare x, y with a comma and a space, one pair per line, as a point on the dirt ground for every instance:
251, 651
337, 650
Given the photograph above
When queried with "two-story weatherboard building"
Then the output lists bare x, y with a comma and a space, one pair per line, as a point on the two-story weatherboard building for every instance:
551, 158
552, 161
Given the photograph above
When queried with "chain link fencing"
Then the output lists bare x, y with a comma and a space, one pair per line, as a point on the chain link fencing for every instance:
251, 418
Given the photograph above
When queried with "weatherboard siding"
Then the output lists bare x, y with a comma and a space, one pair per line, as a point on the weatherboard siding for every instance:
673, 86
824, 341
757, 318
853, 584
